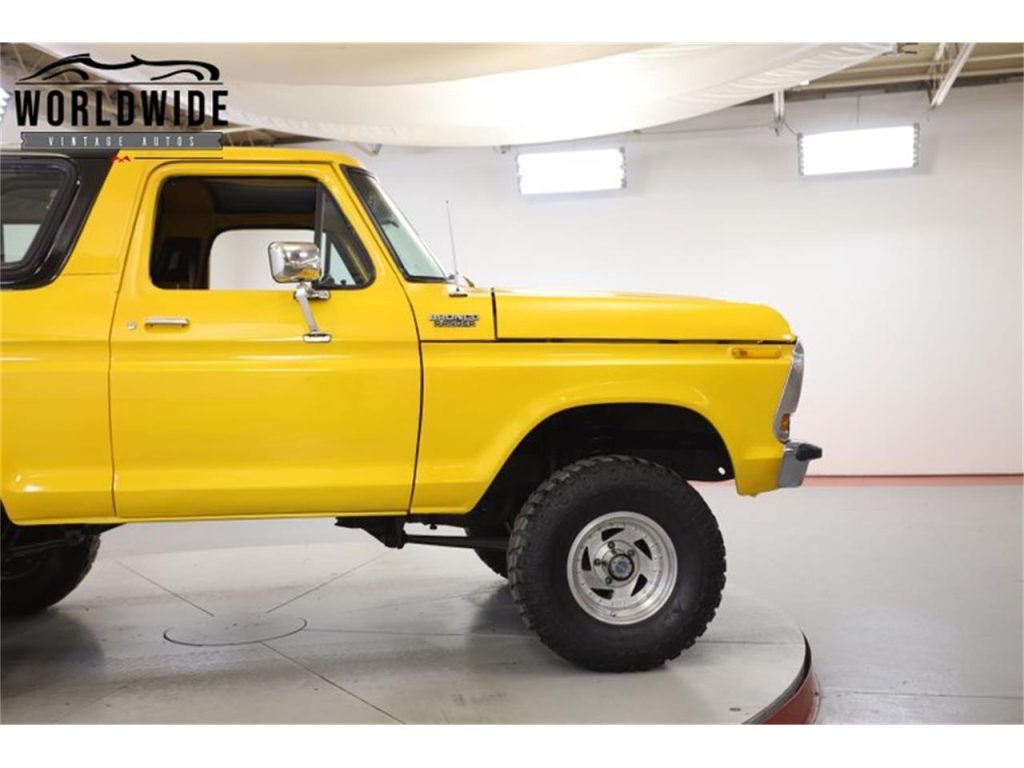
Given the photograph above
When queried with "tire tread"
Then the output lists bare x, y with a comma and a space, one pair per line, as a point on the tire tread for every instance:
538, 611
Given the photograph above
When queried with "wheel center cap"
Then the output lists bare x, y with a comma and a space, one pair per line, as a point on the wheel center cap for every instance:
620, 567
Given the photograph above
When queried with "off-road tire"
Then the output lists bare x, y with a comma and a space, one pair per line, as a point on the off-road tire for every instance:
539, 549
46, 578
496, 561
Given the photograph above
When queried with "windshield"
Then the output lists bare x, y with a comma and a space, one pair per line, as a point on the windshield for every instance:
415, 258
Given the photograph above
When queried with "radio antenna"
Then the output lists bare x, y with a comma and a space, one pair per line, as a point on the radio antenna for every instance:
456, 289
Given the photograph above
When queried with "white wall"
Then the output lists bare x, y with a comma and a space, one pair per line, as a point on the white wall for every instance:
905, 286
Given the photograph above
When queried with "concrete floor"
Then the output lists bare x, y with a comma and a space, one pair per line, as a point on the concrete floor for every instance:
911, 598
350, 632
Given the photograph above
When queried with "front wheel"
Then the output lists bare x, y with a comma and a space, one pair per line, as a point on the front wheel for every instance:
617, 563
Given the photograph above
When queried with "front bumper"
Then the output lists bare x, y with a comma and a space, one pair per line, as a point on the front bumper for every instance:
795, 458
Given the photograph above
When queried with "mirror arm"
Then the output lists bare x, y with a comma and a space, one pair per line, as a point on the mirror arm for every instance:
303, 293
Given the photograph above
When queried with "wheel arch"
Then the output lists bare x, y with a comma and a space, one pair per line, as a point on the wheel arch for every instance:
677, 436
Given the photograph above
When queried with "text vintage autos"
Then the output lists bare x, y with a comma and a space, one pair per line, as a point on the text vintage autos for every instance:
157, 367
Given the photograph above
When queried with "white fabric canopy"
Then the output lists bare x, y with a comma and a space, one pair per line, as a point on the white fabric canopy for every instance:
487, 95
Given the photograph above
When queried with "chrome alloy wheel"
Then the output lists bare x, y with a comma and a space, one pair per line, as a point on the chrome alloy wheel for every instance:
622, 568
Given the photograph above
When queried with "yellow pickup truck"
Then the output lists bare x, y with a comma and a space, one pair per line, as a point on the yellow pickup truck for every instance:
260, 333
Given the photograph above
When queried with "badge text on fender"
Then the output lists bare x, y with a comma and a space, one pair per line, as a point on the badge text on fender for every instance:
454, 321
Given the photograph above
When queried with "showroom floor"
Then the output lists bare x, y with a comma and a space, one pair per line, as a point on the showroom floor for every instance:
423, 636
912, 608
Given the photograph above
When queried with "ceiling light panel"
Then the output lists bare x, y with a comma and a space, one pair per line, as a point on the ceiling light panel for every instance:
592, 170
869, 149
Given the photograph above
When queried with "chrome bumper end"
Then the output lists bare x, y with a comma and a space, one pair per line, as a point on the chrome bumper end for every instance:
795, 458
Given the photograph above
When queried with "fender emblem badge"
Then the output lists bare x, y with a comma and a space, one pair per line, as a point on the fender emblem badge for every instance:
454, 321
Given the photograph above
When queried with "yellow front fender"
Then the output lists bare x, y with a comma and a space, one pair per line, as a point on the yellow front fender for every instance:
482, 399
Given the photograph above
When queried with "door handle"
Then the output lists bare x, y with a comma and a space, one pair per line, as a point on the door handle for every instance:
173, 322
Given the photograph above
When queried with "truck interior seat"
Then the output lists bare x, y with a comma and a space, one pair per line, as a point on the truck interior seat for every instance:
177, 264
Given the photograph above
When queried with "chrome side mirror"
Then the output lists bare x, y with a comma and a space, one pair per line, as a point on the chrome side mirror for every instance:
301, 263
295, 262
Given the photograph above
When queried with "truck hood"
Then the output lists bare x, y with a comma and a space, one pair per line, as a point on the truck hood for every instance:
633, 316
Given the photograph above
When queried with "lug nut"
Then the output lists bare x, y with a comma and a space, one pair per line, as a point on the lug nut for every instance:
599, 563
631, 553
611, 545
608, 580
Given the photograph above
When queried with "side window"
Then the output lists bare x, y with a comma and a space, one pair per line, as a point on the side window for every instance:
212, 233
233, 267
16, 238
340, 245
33, 196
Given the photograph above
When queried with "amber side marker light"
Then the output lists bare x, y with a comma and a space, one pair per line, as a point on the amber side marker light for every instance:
756, 353
784, 424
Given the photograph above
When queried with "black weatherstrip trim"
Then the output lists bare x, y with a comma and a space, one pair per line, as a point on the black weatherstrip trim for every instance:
90, 173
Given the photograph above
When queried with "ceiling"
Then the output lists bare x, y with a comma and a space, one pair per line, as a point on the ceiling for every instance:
915, 64
509, 94
368, 64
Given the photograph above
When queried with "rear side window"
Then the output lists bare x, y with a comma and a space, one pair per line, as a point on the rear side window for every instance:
34, 195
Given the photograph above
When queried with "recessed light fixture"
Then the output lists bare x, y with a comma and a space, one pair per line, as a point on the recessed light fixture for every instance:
591, 170
868, 149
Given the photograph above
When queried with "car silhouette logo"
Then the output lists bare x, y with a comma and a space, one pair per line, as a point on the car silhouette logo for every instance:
175, 71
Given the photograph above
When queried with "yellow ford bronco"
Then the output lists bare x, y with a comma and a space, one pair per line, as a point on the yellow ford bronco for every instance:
256, 333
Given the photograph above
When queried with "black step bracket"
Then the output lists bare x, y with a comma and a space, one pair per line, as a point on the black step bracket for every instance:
390, 531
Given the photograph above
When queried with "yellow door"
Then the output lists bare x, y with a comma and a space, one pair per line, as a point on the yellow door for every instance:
219, 407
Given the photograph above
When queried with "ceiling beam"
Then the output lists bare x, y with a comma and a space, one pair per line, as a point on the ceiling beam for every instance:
868, 82
942, 86
779, 104
370, 149
873, 68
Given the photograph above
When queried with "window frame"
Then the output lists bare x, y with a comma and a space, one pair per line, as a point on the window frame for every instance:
319, 187
44, 259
